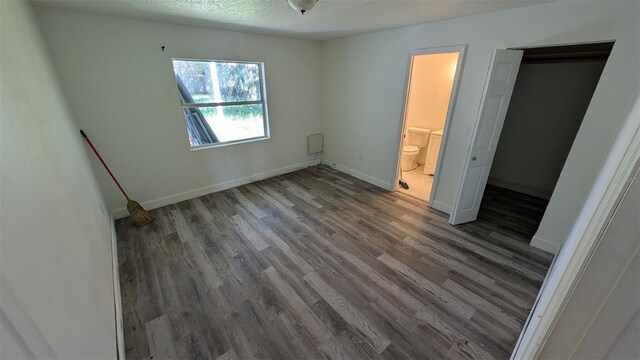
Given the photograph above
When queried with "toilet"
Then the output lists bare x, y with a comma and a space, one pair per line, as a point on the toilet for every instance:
415, 141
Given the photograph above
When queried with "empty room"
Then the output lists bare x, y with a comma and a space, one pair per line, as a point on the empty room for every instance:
319, 179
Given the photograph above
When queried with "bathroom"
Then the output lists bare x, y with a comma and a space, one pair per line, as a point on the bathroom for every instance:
431, 84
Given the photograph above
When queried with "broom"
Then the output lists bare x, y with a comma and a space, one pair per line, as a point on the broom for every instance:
139, 215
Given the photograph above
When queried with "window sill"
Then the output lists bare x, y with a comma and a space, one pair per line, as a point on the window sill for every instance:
228, 143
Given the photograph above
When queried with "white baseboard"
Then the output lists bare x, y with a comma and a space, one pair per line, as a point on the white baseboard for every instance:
364, 177
117, 295
545, 245
172, 199
438, 205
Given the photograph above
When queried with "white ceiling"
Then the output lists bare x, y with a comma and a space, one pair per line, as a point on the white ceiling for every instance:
328, 19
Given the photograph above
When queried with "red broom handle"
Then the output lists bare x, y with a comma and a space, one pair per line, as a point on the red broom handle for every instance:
95, 151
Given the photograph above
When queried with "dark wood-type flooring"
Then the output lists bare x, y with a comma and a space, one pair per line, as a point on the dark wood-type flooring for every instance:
512, 212
322, 265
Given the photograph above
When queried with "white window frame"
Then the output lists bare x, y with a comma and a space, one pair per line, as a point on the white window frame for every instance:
263, 101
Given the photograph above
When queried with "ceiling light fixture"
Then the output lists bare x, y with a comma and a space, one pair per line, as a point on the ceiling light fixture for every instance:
302, 5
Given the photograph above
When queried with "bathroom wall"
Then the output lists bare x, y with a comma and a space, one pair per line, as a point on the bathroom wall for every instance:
547, 107
429, 92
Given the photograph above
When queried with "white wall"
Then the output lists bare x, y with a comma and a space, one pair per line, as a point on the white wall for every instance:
608, 292
546, 109
626, 345
430, 91
10, 349
363, 89
55, 249
122, 91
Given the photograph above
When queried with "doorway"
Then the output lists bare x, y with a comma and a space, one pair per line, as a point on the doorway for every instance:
519, 150
432, 82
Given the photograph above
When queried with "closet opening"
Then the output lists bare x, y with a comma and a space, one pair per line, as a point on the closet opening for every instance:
552, 92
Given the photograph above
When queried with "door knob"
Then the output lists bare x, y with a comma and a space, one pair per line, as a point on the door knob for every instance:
473, 158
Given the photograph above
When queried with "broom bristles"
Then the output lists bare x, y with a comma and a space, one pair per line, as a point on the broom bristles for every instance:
139, 215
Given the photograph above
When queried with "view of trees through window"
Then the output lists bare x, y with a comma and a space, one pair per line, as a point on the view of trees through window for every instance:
222, 101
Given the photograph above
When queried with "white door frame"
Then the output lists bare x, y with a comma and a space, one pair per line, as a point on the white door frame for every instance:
461, 50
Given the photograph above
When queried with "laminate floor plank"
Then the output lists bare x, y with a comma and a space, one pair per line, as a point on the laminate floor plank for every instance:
348, 311
192, 346
161, 341
317, 264
272, 200
460, 341
248, 204
445, 298
317, 330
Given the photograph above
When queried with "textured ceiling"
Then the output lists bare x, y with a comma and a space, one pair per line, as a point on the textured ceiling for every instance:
328, 19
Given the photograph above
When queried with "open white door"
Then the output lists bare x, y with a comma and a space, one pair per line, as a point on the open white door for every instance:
493, 109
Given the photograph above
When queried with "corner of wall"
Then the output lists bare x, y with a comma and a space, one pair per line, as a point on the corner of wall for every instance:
544, 245
364, 177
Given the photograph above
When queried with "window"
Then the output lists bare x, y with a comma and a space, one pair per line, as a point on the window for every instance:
223, 102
